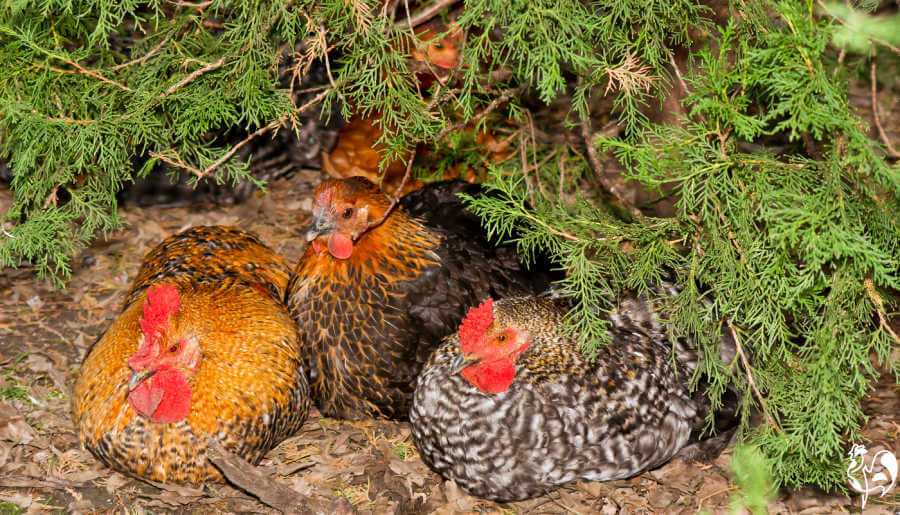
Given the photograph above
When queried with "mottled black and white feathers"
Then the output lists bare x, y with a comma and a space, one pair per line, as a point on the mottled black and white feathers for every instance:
563, 418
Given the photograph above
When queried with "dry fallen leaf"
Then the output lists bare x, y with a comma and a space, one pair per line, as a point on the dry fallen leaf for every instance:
13, 427
114, 481
413, 472
458, 500
18, 498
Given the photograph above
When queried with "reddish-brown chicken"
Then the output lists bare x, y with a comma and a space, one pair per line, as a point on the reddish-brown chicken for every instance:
371, 300
203, 348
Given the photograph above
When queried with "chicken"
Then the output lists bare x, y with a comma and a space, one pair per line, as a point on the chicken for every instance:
203, 348
509, 408
371, 300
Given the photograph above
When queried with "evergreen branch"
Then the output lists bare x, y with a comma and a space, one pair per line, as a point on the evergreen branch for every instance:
750, 380
65, 119
145, 58
883, 135
882, 42
193, 5
227, 155
879, 308
427, 13
597, 166
193, 75
504, 97
85, 71
731, 237
551, 229
313, 101
176, 162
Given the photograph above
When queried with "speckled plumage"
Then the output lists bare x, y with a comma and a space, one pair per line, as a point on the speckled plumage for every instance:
250, 390
369, 322
563, 418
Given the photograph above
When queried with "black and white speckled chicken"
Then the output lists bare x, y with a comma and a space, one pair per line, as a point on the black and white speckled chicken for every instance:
509, 408
372, 302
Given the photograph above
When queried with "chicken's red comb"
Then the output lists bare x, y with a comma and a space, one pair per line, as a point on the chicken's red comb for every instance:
162, 301
475, 324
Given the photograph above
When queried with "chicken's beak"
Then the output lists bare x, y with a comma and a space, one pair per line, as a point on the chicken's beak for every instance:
462, 361
138, 377
321, 224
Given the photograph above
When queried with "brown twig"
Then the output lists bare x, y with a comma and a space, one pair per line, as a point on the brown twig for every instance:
85, 71
840, 61
227, 155
879, 307
537, 166
23, 481
717, 492
193, 75
428, 12
562, 174
746, 363
437, 98
193, 5
209, 169
248, 478
542, 162
65, 119
52, 199
594, 159
524, 156
388, 9
314, 100
497, 102
143, 59
175, 162
884, 137
684, 87
396, 198
328, 64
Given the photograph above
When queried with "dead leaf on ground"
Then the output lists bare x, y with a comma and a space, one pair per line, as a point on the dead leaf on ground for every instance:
13, 427
457, 499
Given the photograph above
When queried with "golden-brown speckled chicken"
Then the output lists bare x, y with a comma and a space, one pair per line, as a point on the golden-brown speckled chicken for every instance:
203, 348
372, 300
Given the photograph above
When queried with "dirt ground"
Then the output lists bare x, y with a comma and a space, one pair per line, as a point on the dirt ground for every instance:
337, 466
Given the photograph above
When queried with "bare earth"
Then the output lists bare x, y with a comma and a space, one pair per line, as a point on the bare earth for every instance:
335, 466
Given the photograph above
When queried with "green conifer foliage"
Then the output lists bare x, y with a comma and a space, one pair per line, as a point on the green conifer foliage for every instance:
786, 212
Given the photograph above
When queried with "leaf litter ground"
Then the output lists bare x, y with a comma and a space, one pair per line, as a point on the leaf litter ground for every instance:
335, 466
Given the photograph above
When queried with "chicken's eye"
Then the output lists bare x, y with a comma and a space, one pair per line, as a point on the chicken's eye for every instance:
501, 338
173, 349
348, 212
